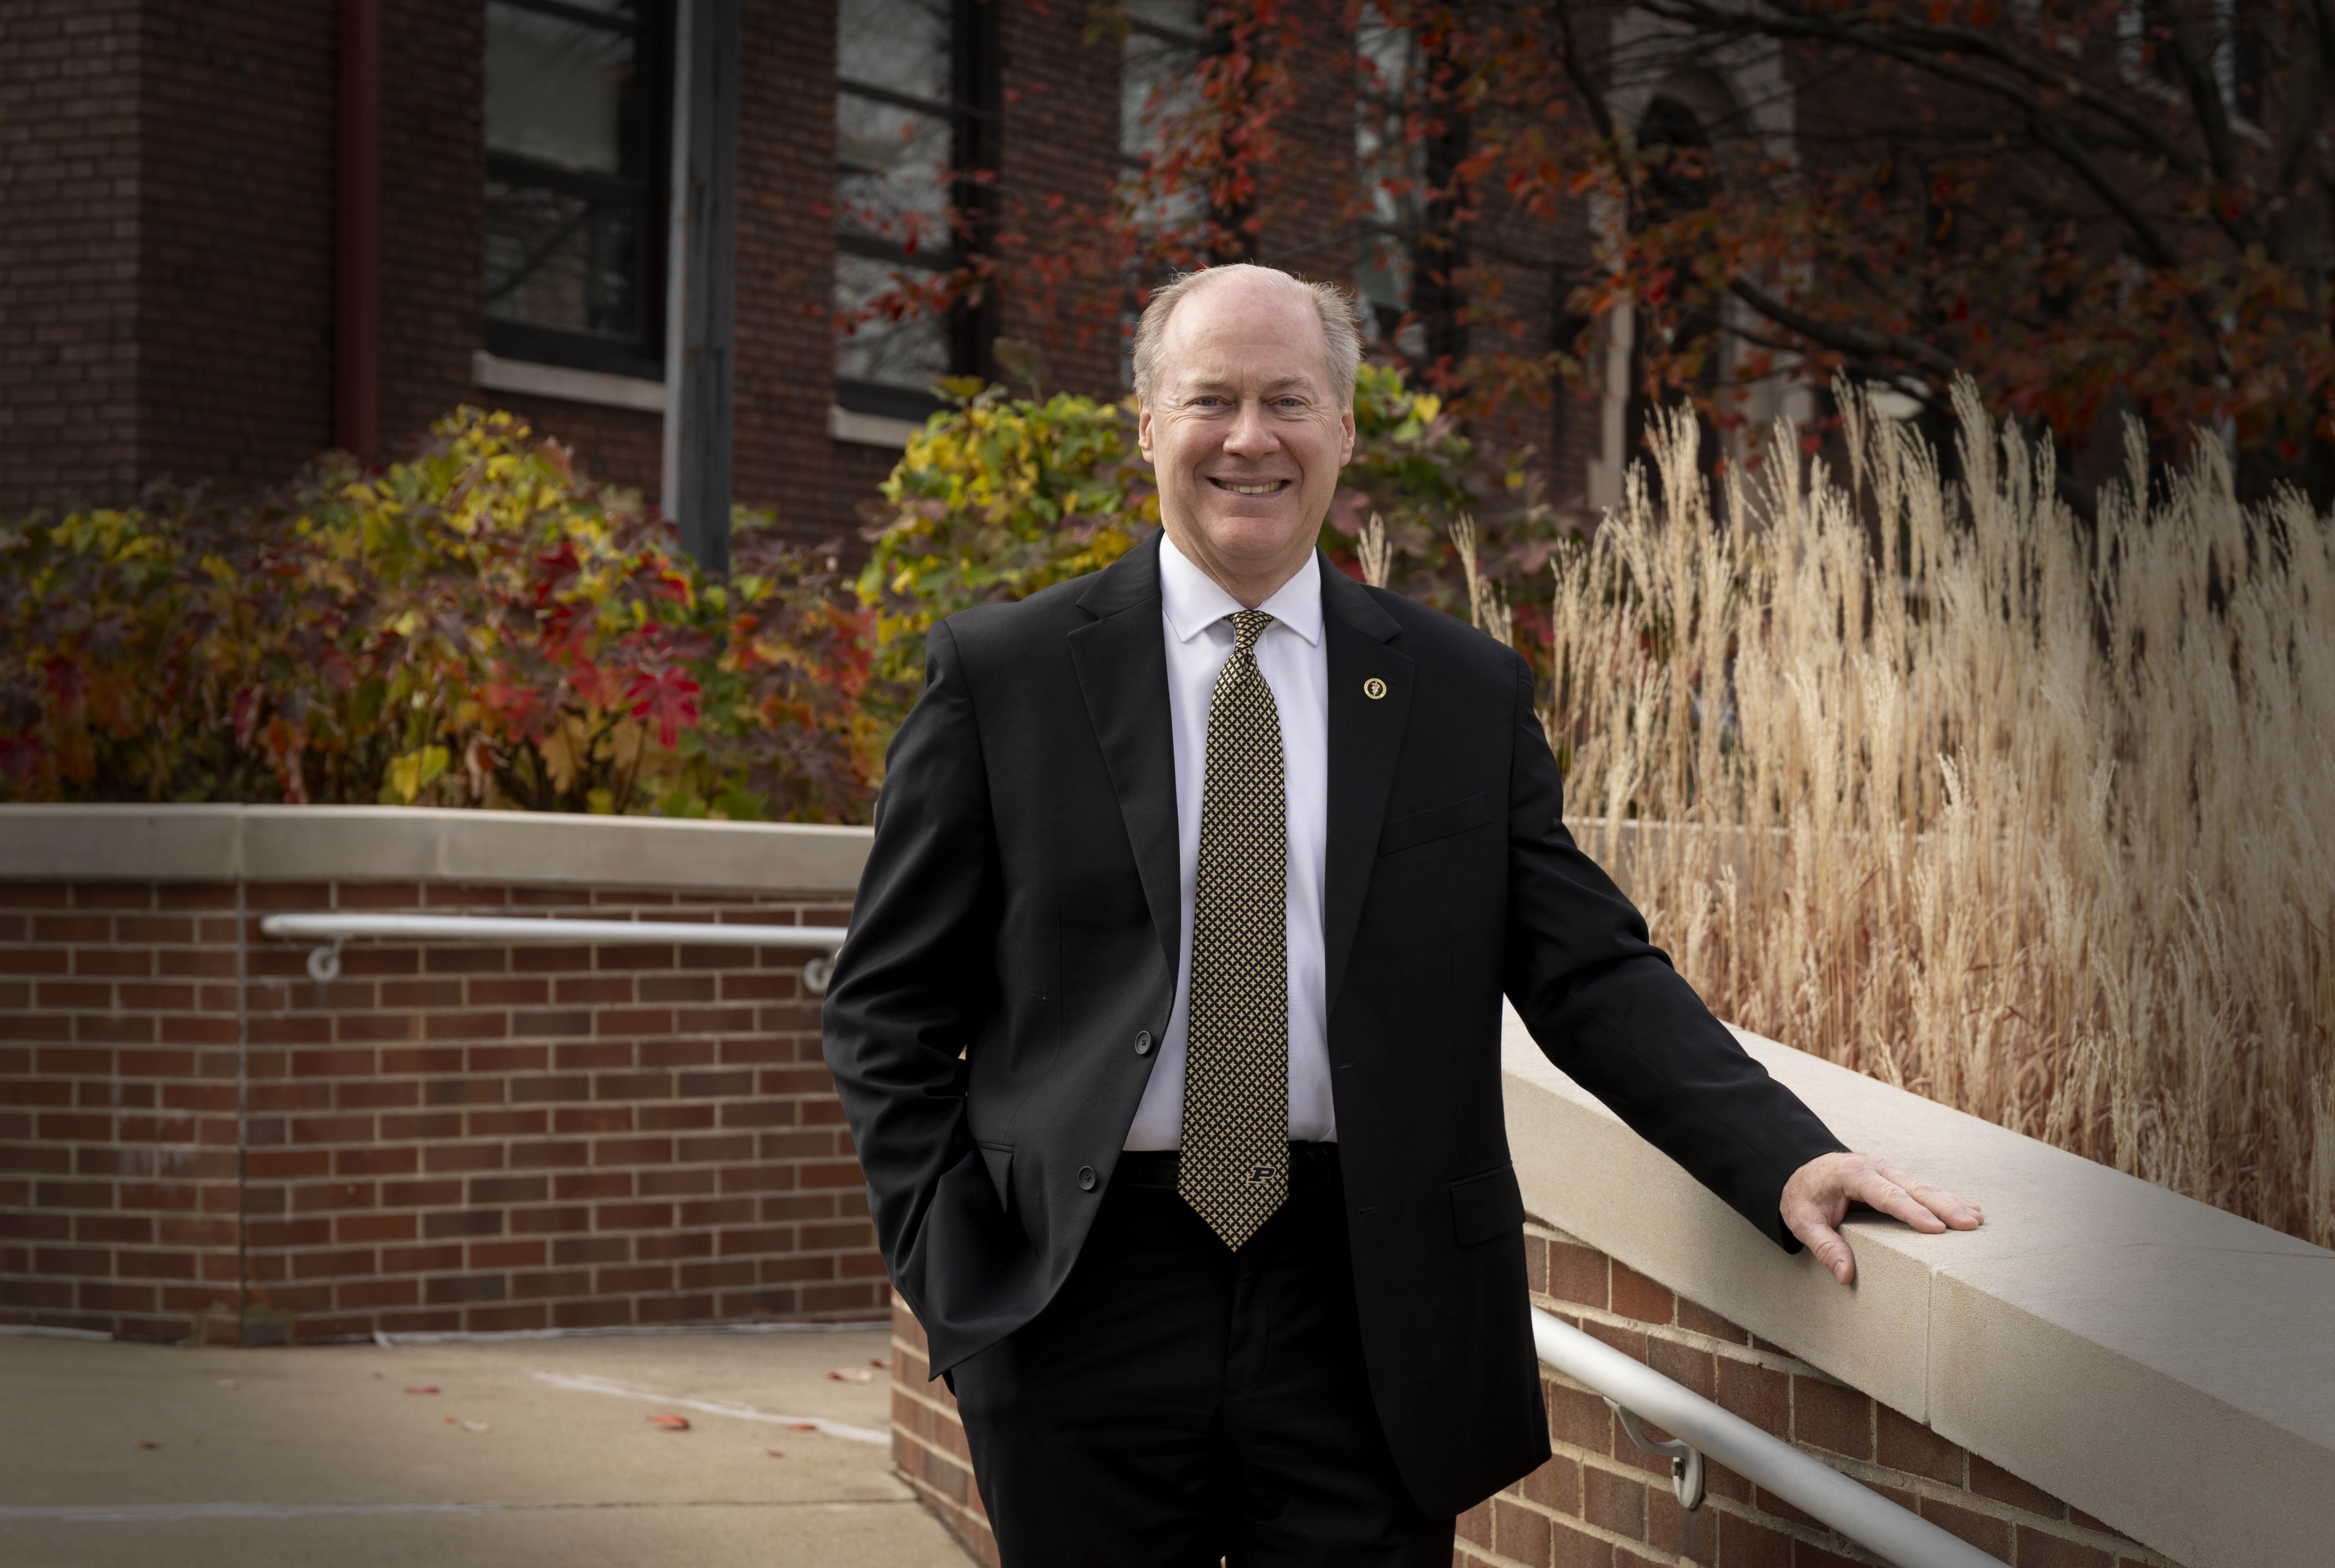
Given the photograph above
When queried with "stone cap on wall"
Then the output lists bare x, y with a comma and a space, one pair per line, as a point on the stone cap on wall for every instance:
420, 844
2162, 1365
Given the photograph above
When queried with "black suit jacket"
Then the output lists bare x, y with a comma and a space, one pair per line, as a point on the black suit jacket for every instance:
1016, 932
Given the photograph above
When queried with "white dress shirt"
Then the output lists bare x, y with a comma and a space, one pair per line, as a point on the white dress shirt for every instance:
1297, 665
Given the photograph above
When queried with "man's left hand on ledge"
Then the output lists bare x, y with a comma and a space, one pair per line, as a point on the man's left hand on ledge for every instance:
1818, 1194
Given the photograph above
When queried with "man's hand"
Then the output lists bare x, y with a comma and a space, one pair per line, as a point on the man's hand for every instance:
1819, 1194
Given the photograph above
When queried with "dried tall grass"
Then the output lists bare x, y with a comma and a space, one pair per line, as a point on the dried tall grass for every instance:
2033, 818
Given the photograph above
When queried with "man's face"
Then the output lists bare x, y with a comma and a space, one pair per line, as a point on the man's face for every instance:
1244, 431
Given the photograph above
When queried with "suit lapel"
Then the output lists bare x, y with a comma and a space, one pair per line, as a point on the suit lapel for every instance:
1365, 741
1122, 660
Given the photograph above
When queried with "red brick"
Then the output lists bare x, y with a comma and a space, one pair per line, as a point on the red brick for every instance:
1904, 1444
1983, 1531
1831, 1417
1572, 1548
1682, 1364
1988, 1479
1759, 1395
2042, 1549
1518, 1533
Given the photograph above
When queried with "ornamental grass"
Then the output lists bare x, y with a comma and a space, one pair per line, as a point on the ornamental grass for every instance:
2031, 815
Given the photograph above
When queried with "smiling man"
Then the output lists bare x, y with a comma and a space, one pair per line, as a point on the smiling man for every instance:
1168, 1026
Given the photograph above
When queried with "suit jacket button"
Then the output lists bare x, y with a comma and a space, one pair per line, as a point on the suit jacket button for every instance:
1086, 1178
1143, 1043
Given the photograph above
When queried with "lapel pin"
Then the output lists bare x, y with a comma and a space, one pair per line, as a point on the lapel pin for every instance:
1374, 688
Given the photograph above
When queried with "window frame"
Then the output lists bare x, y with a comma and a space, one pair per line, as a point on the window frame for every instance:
973, 115
641, 355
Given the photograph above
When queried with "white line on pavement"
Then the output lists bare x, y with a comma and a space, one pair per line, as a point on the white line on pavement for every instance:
98, 1511
591, 1385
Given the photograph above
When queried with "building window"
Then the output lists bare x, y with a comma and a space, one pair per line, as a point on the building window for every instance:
914, 113
1158, 86
576, 122
1410, 308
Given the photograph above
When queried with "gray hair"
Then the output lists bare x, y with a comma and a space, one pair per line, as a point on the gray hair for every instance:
1342, 334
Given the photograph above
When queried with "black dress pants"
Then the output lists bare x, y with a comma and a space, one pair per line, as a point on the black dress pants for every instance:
1179, 1403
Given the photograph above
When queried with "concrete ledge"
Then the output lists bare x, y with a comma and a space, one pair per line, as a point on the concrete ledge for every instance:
870, 429
575, 386
405, 843
2163, 1366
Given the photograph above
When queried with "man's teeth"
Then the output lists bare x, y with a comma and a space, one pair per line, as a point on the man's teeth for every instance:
1250, 489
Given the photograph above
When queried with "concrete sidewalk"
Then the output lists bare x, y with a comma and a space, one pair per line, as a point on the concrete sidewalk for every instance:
529, 1453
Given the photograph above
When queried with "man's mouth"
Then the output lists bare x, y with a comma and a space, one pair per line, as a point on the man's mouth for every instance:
1250, 488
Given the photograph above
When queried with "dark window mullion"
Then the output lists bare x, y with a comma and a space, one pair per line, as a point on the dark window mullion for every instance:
875, 248
908, 101
614, 189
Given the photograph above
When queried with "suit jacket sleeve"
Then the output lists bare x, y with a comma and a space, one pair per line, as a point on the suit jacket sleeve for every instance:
916, 979
1605, 1005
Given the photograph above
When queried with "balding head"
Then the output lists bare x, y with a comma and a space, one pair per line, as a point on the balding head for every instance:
1247, 418
1340, 345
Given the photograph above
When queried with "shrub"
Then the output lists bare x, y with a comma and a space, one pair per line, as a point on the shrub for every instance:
480, 625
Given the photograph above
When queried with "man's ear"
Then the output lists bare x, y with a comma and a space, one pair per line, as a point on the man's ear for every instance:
1143, 427
1346, 433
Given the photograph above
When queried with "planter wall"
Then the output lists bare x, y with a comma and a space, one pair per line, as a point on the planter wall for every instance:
198, 1139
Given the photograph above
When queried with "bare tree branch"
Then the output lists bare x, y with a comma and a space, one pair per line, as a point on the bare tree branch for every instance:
1871, 341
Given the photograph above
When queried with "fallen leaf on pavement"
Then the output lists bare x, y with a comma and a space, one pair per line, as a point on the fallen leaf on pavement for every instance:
145, 1443
851, 1375
774, 1453
880, 1364
804, 1426
670, 1422
424, 1388
476, 1427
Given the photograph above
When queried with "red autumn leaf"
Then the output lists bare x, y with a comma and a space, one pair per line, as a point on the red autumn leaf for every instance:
670, 1422
668, 698
424, 1388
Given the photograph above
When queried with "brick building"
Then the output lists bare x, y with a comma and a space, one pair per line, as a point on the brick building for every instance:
202, 277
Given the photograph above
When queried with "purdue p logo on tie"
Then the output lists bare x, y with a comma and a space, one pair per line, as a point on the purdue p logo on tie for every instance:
1374, 688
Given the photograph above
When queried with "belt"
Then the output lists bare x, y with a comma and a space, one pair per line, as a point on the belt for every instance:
1156, 1167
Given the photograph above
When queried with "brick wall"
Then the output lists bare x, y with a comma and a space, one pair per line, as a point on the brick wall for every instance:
1600, 1502
234, 297
68, 250
1058, 143
447, 1137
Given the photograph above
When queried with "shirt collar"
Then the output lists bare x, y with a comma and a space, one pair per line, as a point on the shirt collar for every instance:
1194, 601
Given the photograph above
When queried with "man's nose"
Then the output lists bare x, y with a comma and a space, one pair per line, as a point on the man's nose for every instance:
1252, 432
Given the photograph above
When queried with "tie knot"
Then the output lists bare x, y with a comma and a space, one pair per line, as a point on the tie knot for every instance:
1248, 625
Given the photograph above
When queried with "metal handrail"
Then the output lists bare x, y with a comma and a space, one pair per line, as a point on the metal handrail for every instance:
324, 961
1637, 1392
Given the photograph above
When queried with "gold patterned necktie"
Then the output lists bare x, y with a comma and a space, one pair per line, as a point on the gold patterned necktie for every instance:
1235, 1167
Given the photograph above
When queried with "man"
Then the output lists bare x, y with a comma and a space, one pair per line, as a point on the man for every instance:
1168, 1023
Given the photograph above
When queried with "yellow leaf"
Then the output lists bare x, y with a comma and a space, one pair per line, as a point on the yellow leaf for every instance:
416, 770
